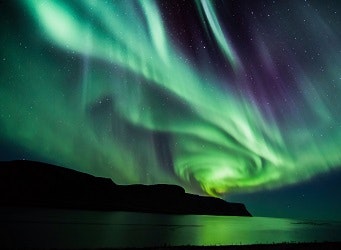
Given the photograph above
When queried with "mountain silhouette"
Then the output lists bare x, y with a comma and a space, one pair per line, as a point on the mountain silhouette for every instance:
29, 183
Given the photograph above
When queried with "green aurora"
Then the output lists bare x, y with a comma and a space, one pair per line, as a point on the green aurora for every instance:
103, 88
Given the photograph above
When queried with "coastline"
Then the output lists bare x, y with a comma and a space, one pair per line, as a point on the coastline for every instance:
276, 246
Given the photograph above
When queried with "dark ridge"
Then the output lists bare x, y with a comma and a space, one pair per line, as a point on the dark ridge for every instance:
36, 184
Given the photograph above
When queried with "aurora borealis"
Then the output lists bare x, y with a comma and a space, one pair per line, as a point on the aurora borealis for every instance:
217, 96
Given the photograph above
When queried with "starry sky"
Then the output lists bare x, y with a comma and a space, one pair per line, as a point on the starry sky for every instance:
236, 99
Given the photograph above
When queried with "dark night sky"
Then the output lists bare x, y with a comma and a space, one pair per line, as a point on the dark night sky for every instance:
239, 99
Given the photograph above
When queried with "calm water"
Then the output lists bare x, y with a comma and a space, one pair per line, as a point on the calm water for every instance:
88, 229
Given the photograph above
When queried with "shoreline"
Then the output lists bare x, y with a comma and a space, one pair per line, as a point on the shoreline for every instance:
276, 246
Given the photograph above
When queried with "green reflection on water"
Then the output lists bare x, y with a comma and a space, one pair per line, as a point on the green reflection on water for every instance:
89, 229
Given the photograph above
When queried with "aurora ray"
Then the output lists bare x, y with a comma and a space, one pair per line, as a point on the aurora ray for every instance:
105, 88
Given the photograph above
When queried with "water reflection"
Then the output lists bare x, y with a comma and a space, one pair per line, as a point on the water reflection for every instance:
89, 229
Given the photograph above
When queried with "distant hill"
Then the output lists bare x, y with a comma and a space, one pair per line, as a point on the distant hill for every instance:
28, 183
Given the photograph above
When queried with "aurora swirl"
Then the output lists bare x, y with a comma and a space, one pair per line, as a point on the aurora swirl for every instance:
216, 101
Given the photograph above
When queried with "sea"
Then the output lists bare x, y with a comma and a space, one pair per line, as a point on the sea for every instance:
59, 228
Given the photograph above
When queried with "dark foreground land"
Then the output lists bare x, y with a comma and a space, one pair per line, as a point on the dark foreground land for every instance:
37, 184
279, 246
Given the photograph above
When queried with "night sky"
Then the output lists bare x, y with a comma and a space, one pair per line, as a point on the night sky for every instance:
237, 99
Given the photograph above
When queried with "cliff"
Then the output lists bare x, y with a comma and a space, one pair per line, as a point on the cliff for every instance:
28, 183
